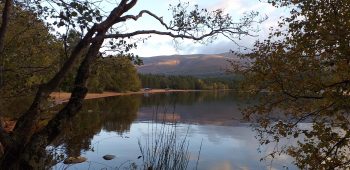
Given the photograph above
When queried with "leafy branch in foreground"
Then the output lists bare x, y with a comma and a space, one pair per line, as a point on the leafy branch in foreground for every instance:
301, 77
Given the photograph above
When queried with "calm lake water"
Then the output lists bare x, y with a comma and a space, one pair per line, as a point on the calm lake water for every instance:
207, 123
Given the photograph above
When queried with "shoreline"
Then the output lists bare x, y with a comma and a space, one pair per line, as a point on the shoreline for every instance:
61, 97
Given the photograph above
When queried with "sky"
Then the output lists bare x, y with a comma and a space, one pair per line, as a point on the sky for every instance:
158, 45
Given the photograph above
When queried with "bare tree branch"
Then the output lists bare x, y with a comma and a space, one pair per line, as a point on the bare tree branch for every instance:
136, 17
127, 35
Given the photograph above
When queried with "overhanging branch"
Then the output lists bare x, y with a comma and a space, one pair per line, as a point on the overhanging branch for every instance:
136, 17
128, 35
171, 34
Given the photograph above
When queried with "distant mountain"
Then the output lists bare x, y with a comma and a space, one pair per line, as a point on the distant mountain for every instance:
199, 65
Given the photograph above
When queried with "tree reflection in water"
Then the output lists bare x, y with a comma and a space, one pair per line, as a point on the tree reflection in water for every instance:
116, 114
314, 141
109, 114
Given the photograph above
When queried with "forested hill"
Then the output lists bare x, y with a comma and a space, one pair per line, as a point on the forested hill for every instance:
199, 65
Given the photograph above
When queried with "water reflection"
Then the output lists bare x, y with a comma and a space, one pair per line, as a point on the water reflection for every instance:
218, 107
211, 119
115, 125
314, 133
108, 114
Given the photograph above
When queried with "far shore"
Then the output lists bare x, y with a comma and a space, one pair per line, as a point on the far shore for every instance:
61, 97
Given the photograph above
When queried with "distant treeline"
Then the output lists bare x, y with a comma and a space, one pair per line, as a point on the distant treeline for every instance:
185, 82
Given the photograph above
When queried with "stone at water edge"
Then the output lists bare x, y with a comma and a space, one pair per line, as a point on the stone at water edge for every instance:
108, 157
74, 160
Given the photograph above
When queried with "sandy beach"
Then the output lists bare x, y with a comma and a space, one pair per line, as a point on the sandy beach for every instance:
61, 97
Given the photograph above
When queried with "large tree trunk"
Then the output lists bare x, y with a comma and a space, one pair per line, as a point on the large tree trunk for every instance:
4, 23
24, 126
3, 30
24, 130
24, 149
29, 156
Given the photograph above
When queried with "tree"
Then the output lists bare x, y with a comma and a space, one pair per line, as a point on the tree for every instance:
30, 55
301, 75
22, 147
118, 74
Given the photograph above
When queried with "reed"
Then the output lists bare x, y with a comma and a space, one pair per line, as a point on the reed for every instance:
162, 150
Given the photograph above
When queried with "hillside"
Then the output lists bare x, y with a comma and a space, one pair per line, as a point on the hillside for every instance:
199, 65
